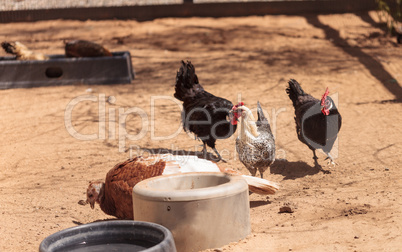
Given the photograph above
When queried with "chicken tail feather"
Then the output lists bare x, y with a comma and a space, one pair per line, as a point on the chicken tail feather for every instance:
260, 113
186, 81
262, 122
8, 47
294, 91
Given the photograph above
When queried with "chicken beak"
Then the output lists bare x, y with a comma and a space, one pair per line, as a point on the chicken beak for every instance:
232, 117
231, 114
91, 203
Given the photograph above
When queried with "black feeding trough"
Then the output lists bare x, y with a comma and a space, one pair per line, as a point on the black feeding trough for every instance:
60, 70
119, 235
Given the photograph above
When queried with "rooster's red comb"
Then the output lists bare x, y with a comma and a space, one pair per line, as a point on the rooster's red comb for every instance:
237, 105
324, 96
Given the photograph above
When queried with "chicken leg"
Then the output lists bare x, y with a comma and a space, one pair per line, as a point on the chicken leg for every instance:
261, 173
318, 165
204, 153
315, 159
204, 150
252, 171
219, 156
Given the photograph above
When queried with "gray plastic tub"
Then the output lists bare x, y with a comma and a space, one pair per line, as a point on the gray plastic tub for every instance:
121, 235
202, 210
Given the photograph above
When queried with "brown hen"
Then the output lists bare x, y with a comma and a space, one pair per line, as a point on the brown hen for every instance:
115, 194
84, 48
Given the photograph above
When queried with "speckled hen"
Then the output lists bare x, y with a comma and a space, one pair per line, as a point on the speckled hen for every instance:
255, 143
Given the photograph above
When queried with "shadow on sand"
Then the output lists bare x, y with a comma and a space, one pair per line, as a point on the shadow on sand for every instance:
374, 66
258, 203
78, 223
294, 170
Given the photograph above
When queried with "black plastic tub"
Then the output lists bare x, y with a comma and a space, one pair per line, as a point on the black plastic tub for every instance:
59, 70
120, 235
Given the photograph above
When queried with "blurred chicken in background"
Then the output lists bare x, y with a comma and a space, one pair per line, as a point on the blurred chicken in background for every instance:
22, 52
84, 48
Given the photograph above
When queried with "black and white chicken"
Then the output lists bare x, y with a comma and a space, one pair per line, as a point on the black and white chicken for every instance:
317, 121
255, 143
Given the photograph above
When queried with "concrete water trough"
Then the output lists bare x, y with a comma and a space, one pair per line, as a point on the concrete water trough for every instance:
60, 70
202, 209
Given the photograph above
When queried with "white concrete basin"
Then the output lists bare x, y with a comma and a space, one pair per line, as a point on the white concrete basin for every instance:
202, 210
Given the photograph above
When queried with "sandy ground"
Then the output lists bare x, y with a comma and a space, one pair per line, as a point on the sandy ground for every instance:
357, 207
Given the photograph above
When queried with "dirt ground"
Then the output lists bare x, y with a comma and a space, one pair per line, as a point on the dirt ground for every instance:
45, 169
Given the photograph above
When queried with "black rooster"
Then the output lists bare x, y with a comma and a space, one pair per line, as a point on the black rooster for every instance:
204, 114
317, 122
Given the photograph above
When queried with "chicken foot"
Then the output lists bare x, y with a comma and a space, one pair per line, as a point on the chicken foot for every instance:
331, 160
204, 153
317, 165
219, 156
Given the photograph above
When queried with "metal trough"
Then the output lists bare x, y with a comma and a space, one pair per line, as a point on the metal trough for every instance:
59, 70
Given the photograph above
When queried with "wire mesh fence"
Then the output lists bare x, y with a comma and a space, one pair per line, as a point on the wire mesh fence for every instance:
35, 10
9, 5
